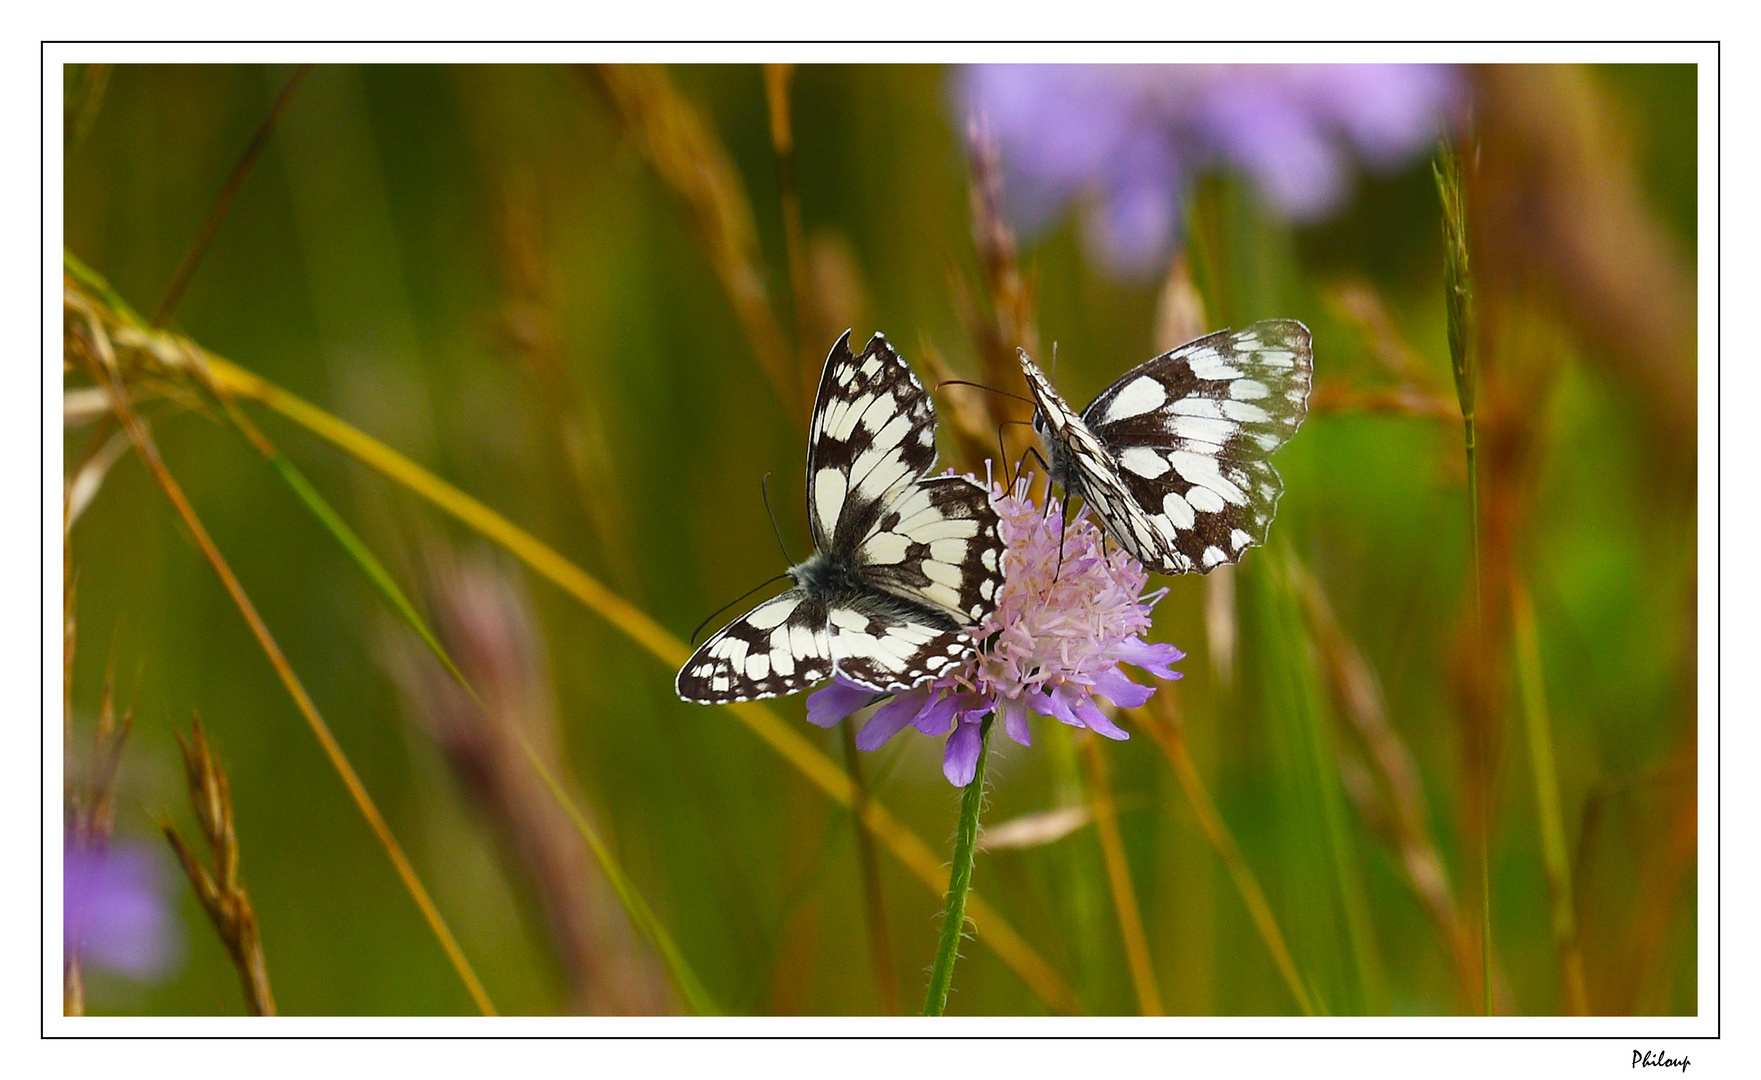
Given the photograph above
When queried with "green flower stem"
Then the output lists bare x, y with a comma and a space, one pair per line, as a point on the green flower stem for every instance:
941, 976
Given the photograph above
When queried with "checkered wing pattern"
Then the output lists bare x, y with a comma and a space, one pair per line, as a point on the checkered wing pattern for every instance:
904, 563
1175, 456
779, 647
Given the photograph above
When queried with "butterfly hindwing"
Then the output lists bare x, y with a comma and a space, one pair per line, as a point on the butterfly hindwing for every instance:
937, 544
780, 646
890, 648
1174, 455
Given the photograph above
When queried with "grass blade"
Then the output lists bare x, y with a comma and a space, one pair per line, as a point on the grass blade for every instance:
1137, 948
1546, 777
1160, 722
649, 924
101, 366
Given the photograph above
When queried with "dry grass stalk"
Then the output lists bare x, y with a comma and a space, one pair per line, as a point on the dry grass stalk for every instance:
677, 141
485, 622
87, 339
801, 277
530, 329
1010, 322
1160, 720
222, 895
1137, 946
1384, 786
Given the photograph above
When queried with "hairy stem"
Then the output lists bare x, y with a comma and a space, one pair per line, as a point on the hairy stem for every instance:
941, 976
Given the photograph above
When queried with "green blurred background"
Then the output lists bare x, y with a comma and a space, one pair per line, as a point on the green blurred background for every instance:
482, 267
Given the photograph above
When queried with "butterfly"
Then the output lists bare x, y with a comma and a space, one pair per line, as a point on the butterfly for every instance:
904, 563
1173, 457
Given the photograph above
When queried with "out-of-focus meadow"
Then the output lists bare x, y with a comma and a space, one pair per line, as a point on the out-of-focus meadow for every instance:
596, 301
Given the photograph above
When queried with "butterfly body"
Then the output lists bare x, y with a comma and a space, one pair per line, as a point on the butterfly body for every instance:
1173, 457
904, 564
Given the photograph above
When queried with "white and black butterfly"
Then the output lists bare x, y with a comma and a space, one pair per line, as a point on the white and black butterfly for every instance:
904, 562
1173, 456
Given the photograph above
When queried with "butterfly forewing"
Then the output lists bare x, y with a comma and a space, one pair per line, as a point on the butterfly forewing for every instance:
1173, 456
872, 433
777, 648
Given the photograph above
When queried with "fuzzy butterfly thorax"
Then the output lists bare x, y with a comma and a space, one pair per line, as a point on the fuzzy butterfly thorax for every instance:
1061, 464
1173, 458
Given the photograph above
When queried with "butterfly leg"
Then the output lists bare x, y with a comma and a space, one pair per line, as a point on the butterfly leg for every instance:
1063, 523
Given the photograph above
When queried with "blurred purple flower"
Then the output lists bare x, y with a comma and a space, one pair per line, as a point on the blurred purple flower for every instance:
114, 911
1056, 643
1137, 135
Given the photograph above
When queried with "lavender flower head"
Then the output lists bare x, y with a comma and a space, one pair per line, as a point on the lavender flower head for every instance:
1055, 643
1136, 136
114, 914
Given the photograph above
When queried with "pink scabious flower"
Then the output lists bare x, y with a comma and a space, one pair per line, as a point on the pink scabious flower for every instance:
1055, 643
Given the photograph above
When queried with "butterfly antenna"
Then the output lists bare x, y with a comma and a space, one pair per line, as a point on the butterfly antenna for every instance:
730, 604
764, 487
1037, 456
988, 389
1003, 454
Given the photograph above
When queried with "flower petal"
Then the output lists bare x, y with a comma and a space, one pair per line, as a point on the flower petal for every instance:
1157, 659
960, 762
891, 718
835, 701
1096, 720
1015, 720
935, 717
1054, 705
1121, 691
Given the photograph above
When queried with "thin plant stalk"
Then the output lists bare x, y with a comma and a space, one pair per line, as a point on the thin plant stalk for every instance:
777, 79
880, 939
1165, 729
1546, 777
685, 152
1458, 300
332, 749
1137, 948
247, 160
696, 995
941, 975
1313, 733
690, 986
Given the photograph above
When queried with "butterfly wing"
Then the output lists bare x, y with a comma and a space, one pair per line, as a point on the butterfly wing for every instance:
912, 560
1188, 436
932, 541
873, 431
937, 545
779, 647
891, 647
